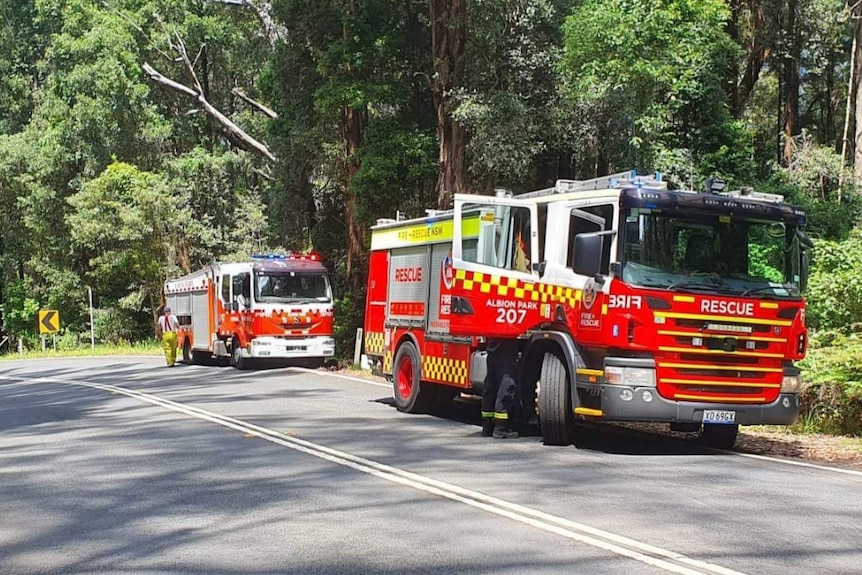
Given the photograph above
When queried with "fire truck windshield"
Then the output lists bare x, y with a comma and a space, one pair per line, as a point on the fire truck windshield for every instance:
291, 287
715, 253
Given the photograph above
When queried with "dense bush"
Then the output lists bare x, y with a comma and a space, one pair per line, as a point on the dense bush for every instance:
832, 400
121, 326
835, 287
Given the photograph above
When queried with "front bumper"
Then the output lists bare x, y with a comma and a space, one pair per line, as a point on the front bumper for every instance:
782, 411
624, 400
291, 348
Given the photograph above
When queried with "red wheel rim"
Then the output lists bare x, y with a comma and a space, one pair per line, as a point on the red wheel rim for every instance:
405, 377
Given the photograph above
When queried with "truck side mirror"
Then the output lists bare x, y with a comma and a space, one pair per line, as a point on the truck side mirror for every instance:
803, 272
587, 250
539, 267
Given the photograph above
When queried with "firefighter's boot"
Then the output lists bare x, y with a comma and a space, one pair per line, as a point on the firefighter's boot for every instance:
487, 426
502, 430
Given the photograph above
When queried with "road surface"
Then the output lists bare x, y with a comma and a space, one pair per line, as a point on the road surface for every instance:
121, 465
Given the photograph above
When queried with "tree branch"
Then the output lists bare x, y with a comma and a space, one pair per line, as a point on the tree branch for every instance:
263, 9
263, 109
232, 129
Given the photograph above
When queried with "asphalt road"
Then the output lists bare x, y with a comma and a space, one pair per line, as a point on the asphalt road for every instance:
125, 466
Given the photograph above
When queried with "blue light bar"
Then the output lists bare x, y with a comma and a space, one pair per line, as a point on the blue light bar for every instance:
268, 256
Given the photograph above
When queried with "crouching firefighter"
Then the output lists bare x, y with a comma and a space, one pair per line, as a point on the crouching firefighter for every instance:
501, 392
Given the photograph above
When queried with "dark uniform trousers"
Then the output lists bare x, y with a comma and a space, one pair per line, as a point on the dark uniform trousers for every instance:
500, 395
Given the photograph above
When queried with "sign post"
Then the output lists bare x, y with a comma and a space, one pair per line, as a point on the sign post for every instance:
92, 327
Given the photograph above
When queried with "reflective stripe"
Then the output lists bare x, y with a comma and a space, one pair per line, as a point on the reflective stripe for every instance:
501, 415
487, 414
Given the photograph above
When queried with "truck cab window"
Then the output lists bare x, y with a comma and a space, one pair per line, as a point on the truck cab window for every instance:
225, 288
502, 237
242, 287
592, 219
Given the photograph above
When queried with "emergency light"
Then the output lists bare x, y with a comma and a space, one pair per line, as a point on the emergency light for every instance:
310, 256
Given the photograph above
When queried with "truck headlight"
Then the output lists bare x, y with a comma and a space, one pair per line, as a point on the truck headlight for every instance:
791, 384
633, 376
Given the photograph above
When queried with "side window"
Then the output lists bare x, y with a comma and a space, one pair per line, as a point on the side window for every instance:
502, 236
242, 286
592, 219
225, 288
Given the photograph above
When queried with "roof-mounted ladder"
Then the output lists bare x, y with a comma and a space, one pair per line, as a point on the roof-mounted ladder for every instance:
620, 180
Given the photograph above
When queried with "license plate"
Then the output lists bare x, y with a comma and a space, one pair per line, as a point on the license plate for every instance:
718, 416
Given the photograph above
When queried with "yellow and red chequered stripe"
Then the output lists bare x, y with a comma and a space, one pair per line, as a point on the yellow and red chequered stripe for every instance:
515, 288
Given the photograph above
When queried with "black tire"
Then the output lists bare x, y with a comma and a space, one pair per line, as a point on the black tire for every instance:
236, 358
410, 397
187, 353
719, 435
556, 419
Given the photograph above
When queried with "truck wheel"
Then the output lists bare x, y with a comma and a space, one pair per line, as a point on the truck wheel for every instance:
718, 435
407, 380
236, 358
187, 353
555, 403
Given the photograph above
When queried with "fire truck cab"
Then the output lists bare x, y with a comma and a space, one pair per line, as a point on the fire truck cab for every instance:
274, 307
630, 302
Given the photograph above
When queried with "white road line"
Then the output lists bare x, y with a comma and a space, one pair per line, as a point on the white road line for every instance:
852, 472
340, 376
796, 463
623, 546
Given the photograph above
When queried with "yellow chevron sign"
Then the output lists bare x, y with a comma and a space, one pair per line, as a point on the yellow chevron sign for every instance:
49, 321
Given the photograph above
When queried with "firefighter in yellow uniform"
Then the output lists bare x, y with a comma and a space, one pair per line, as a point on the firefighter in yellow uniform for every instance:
501, 391
168, 326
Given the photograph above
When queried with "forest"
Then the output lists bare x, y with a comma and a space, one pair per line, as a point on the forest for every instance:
143, 139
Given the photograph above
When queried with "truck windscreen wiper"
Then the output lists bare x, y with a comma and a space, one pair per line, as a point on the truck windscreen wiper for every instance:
693, 286
760, 289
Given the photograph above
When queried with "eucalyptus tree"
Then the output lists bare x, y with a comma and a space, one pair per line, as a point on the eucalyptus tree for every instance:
89, 105
649, 81
343, 67
508, 99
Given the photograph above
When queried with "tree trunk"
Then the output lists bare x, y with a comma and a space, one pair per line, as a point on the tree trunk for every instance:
353, 123
791, 83
755, 42
448, 43
857, 157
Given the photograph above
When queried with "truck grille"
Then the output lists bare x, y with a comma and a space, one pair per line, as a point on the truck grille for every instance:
719, 361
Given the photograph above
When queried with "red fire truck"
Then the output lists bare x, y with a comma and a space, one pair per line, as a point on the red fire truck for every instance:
273, 307
631, 303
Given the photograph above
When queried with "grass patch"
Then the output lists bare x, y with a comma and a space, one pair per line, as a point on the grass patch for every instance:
144, 348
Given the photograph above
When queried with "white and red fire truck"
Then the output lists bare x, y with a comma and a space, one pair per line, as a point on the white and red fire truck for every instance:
631, 303
275, 307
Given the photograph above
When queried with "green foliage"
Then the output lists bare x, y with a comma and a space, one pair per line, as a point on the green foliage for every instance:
126, 221
652, 77
508, 99
835, 286
349, 311
20, 312
397, 171
832, 400
120, 326
765, 261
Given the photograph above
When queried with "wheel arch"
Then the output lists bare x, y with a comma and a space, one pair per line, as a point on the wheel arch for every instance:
404, 337
557, 342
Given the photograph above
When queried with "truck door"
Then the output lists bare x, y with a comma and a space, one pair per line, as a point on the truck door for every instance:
495, 255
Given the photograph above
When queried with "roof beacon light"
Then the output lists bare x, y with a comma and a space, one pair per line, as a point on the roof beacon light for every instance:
310, 256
